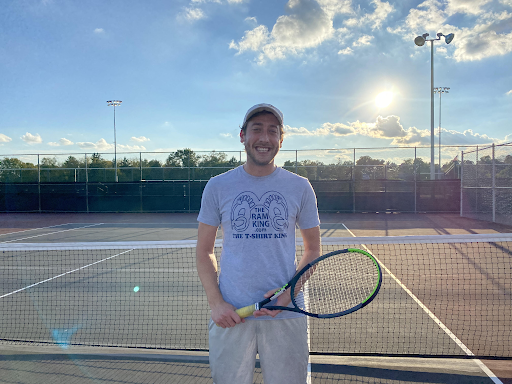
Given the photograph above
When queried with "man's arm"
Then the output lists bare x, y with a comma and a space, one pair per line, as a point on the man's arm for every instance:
312, 248
223, 314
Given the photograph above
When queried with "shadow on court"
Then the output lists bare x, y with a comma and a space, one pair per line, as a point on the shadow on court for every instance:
81, 368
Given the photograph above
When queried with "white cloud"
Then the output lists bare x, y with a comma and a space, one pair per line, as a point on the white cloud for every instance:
509, 93
481, 42
336, 129
100, 145
375, 19
31, 139
4, 138
131, 147
140, 139
99, 31
389, 128
487, 35
470, 7
251, 20
227, 135
192, 14
363, 40
307, 25
346, 51
253, 40
61, 142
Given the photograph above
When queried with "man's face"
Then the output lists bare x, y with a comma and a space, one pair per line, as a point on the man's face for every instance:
262, 139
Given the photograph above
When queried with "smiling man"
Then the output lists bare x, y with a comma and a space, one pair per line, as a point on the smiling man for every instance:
257, 206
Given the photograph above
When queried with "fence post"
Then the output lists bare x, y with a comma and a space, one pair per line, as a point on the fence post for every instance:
188, 164
414, 173
493, 184
461, 184
39, 184
140, 165
477, 183
354, 183
86, 186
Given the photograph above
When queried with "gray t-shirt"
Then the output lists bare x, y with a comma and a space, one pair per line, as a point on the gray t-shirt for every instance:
258, 216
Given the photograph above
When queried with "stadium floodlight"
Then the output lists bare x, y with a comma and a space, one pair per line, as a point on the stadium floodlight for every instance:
420, 41
440, 90
114, 103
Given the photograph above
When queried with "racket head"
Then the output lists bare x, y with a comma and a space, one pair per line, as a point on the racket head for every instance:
336, 284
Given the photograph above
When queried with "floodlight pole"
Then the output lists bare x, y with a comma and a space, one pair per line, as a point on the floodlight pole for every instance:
440, 90
419, 41
115, 103
432, 164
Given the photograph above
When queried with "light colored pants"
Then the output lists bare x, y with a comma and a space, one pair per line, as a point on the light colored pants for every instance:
281, 344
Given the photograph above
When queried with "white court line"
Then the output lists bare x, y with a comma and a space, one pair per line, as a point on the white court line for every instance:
51, 233
33, 229
62, 274
468, 352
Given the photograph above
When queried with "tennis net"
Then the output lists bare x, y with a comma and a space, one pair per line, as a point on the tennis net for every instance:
446, 296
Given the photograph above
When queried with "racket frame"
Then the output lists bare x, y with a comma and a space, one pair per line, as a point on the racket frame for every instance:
297, 277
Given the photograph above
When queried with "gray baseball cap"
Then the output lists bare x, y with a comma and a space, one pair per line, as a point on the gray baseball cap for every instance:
263, 107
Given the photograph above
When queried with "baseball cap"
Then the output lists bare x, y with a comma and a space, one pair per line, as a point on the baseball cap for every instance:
263, 107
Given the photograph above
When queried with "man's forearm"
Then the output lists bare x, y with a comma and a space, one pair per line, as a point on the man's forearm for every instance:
207, 271
312, 246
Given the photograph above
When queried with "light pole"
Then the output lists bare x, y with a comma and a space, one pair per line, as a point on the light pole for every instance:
115, 103
440, 90
419, 41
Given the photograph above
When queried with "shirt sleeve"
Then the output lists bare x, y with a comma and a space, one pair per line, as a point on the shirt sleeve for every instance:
308, 215
210, 211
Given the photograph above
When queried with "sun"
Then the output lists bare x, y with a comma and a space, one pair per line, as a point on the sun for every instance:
383, 99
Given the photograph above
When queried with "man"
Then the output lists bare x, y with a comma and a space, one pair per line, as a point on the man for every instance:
257, 206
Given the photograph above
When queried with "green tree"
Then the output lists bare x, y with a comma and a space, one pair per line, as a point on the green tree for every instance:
13, 170
368, 168
182, 158
73, 162
213, 164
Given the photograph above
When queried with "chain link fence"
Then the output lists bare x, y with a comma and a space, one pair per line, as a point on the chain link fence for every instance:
486, 183
389, 163
387, 179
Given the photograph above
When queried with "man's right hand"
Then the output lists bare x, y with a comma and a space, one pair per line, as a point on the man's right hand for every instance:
224, 315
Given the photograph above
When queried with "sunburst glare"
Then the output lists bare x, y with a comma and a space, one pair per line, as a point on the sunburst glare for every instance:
383, 99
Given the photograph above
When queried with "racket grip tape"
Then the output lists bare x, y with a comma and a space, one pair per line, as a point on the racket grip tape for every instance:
246, 311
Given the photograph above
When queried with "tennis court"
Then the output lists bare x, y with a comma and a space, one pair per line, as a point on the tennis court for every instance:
115, 298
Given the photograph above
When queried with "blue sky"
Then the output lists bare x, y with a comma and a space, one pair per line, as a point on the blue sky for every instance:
187, 71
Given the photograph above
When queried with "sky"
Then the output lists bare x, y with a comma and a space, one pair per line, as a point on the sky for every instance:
186, 72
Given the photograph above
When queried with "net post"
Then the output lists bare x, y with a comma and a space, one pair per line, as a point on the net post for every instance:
493, 184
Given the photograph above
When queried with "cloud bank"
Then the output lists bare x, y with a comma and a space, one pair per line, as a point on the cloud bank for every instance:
389, 128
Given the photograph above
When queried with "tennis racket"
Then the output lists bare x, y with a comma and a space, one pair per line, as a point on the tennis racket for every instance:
335, 284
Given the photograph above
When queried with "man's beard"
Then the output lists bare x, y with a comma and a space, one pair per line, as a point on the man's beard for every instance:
252, 153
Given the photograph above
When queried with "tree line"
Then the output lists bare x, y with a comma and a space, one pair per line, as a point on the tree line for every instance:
185, 164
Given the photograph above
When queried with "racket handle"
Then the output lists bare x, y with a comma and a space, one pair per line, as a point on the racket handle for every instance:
246, 311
